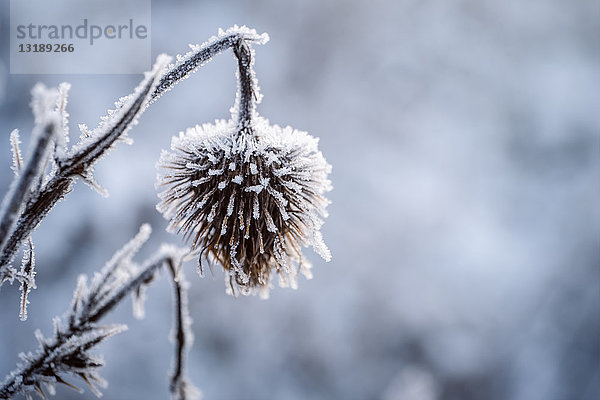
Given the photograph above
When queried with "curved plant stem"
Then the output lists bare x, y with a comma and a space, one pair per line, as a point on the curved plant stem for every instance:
66, 350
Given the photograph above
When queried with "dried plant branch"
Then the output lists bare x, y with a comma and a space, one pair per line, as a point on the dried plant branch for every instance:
80, 163
201, 54
248, 94
66, 351
180, 387
22, 187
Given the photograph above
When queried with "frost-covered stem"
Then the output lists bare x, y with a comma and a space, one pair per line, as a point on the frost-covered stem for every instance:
20, 377
179, 329
35, 211
76, 165
143, 277
181, 334
201, 55
247, 87
28, 177
183, 70
79, 162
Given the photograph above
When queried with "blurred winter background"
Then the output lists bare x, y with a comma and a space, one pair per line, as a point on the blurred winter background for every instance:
464, 137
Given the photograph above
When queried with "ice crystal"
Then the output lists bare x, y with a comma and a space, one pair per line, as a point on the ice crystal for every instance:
15, 141
27, 278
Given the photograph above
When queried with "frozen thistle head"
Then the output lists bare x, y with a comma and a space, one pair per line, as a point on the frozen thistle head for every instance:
247, 199
247, 194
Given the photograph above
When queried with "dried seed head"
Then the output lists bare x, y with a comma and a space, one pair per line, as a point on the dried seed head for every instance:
248, 198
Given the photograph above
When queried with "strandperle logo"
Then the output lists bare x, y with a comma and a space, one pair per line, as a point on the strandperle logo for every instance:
80, 37
82, 31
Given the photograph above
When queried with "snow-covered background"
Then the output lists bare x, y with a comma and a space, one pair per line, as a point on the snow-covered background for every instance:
464, 137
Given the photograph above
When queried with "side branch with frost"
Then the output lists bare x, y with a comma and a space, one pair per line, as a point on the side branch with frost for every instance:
67, 350
32, 196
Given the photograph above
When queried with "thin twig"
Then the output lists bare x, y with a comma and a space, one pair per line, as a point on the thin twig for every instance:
200, 55
27, 177
180, 387
60, 184
247, 87
66, 350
